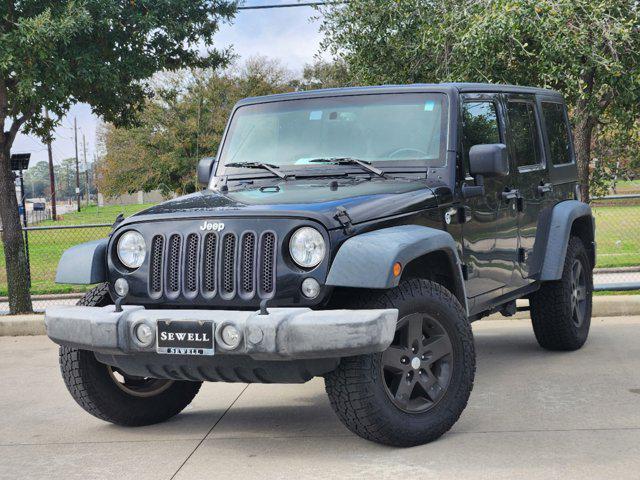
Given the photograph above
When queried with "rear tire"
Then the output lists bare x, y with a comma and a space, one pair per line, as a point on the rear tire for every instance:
110, 394
561, 310
384, 397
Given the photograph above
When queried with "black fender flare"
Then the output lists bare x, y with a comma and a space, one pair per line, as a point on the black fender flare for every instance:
563, 216
84, 264
367, 260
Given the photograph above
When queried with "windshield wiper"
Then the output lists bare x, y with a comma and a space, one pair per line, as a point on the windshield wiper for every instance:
264, 166
350, 161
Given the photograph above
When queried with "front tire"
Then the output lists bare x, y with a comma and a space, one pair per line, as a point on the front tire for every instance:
113, 396
415, 391
561, 310
110, 394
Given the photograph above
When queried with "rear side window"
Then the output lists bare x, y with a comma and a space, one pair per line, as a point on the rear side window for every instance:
480, 125
555, 121
525, 136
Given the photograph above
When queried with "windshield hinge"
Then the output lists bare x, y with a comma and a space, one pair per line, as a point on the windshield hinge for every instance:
342, 216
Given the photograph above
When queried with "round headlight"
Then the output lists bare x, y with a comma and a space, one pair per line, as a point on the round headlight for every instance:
131, 249
307, 247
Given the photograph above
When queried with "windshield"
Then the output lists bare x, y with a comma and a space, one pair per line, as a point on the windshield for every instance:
402, 129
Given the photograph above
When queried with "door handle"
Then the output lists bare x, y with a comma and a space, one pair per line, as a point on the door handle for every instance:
510, 194
545, 188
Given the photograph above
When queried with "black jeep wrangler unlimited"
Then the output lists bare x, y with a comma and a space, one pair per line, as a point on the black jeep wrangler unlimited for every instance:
352, 234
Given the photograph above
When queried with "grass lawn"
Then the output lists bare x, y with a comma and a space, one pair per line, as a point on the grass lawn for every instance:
618, 235
617, 232
628, 186
95, 214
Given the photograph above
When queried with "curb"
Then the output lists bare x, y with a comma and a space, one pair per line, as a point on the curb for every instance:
603, 306
21, 325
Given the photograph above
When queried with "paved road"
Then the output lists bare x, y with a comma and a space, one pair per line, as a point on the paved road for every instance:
532, 414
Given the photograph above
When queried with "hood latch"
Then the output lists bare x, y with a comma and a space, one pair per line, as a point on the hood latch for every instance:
342, 216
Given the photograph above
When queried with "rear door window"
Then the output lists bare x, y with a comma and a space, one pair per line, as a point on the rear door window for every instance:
555, 121
525, 135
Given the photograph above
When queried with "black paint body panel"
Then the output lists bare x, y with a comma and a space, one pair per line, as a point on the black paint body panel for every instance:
491, 234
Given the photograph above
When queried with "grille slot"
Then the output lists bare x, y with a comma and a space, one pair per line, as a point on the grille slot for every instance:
213, 264
191, 264
268, 263
155, 264
228, 264
247, 256
209, 263
173, 264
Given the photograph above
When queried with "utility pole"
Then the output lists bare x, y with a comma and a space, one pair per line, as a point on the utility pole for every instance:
52, 176
75, 136
86, 168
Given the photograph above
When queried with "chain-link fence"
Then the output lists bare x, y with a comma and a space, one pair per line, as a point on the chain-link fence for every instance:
618, 238
45, 246
617, 235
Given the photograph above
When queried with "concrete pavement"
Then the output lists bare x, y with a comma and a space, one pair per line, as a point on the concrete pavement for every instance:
532, 414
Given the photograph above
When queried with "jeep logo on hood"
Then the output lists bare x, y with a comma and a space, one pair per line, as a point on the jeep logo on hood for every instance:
215, 226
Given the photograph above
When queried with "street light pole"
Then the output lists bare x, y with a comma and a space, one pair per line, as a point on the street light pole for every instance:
75, 136
86, 168
52, 176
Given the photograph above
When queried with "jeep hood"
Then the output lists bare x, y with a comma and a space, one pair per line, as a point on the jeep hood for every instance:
364, 199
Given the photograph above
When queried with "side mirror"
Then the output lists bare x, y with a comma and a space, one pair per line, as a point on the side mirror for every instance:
204, 170
489, 160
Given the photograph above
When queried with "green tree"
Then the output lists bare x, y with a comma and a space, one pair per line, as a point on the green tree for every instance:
183, 122
589, 51
36, 180
54, 53
618, 155
326, 74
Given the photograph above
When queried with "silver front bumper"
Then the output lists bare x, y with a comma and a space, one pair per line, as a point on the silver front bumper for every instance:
285, 333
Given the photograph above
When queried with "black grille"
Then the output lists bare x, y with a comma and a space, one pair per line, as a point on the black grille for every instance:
209, 263
213, 264
191, 264
248, 262
228, 263
268, 264
155, 265
173, 264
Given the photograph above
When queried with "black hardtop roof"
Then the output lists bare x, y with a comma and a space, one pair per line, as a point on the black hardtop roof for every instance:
416, 87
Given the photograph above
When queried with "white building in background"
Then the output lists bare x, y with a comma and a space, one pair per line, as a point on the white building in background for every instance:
137, 198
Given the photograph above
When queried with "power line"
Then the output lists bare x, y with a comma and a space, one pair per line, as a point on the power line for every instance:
289, 5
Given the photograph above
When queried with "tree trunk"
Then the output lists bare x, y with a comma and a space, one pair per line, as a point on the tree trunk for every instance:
12, 240
582, 134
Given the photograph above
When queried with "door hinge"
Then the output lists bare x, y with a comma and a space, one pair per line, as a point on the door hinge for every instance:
343, 218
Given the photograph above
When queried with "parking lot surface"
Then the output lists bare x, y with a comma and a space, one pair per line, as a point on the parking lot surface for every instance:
532, 414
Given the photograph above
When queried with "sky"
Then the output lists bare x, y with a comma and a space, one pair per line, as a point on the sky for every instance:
287, 34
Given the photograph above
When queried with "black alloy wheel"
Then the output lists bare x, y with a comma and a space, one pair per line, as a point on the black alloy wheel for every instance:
417, 367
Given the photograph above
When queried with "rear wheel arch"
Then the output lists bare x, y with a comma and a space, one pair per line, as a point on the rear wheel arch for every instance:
582, 227
568, 218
